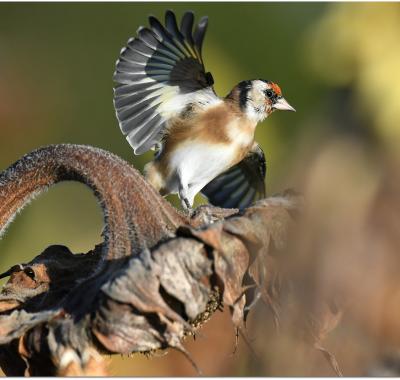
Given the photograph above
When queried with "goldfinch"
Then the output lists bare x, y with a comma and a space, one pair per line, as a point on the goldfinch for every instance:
165, 100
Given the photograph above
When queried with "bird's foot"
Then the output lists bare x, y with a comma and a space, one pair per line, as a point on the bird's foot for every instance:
187, 206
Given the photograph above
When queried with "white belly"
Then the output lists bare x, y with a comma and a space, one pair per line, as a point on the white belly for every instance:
196, 164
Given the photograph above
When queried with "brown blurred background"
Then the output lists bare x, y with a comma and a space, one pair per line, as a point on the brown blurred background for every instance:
338, 65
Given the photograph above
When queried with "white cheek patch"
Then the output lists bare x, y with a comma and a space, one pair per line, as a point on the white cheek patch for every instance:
256, 114
256, 108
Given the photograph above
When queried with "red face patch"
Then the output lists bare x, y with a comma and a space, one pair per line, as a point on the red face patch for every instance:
276, 89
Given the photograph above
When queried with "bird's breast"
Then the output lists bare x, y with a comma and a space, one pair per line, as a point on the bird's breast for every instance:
202, 147
198, 162
241, 133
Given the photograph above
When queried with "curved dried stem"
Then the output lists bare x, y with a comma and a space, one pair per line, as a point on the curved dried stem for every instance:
126, 198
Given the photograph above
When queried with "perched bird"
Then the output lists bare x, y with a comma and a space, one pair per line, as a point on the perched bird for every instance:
165, 100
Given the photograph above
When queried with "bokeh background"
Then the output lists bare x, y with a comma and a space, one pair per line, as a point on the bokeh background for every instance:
338, 65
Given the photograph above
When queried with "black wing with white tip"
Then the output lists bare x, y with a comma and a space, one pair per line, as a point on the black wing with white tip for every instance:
160, 72
241, 185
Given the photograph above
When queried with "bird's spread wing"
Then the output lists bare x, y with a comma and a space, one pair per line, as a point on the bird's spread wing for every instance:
241, 185
160, 73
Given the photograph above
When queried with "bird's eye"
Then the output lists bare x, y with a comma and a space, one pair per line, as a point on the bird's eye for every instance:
29, 272
269, 93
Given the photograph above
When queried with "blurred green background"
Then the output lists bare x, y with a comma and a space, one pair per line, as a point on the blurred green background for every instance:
336, 63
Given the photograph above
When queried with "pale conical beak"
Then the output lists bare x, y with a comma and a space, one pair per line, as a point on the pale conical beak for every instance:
283, 105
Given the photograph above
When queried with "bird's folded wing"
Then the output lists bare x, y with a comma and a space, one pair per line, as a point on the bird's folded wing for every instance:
160, 73
241, 185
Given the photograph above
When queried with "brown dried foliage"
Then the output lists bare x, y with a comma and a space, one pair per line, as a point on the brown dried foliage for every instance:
159, 275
